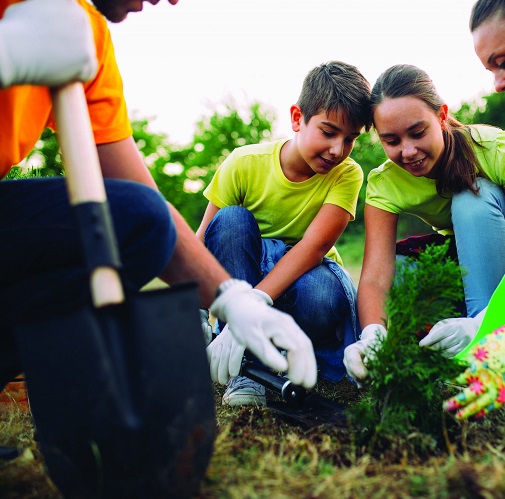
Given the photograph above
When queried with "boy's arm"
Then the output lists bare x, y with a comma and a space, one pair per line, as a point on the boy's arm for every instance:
209, 214
318, 239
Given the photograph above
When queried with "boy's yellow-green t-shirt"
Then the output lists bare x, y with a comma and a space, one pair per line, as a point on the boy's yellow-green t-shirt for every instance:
251, 176
392, 189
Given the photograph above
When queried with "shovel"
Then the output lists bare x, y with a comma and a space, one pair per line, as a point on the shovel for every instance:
298, 405
120, 390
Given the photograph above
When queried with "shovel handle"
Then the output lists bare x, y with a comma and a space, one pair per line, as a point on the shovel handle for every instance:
83, 175
294, 395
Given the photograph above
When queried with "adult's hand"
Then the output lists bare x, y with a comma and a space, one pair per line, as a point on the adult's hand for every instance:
450, 336
484, 379
225, 355
46, 42
263, 330
356, 354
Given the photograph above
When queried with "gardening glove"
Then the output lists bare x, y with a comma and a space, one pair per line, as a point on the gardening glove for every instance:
225, 356
357, 354
450, 336
263, 330
46, 42
484, 379
206, 327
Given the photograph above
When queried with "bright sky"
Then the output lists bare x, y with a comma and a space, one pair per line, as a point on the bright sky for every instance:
181, 62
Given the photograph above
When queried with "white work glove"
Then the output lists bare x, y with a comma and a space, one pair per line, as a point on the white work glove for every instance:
357, 354
450, 336
260, 329
225, 356
46, 42
206, 327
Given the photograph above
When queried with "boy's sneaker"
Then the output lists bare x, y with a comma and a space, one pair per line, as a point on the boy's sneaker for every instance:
244, 391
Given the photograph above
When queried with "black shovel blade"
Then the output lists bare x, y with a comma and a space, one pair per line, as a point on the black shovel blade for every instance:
121, 396
315, 411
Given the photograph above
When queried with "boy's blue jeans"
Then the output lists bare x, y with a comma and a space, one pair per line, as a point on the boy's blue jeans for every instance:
479, 228
322, 301
41, 266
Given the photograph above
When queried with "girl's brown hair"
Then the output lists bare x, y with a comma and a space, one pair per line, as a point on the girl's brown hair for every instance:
457, 168
484, 10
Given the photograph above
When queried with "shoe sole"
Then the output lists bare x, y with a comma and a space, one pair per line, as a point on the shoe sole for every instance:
244, 400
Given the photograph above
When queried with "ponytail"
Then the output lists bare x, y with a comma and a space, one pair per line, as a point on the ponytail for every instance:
457, 168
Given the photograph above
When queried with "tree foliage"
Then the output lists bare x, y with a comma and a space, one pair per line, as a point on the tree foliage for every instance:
183, 171
405, 390
488, 110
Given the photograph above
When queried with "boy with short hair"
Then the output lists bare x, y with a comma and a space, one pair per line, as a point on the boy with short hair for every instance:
275, 212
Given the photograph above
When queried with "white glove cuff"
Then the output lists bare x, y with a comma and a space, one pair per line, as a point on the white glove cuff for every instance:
264, 296
227, 291
373, 331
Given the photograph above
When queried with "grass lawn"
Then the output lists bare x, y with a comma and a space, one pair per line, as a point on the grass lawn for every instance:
259, 454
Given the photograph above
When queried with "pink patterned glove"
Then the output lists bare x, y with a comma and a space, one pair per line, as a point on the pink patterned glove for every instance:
484, 379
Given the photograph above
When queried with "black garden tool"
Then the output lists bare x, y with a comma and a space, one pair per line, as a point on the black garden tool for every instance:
120, 390
308, 408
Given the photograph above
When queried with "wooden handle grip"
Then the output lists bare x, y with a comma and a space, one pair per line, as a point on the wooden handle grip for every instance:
83, 174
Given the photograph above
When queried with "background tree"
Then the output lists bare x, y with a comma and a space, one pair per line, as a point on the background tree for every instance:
183, 171
487, 110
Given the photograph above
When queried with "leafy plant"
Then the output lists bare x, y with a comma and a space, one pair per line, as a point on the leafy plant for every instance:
407, 383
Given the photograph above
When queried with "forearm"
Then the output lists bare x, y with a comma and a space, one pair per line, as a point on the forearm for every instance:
192, 261
371, 303
122, 160
379, 265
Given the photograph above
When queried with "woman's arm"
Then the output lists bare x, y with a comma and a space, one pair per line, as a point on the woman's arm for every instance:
378, 265
319, 237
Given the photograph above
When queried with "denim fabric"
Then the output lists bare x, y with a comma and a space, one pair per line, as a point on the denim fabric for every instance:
41, 267
479, 228
322, 301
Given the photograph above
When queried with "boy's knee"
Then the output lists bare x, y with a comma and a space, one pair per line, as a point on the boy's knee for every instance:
318, 299
230, 221
232, 215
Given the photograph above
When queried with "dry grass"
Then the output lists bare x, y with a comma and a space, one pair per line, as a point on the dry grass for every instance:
258, 454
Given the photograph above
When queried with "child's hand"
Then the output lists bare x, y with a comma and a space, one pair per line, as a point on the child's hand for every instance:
356, 354
450, 336
485, 379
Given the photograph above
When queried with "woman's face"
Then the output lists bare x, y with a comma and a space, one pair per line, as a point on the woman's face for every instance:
489, 44
411, 134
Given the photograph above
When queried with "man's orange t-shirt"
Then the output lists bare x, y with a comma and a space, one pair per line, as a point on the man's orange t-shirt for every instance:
25, 110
